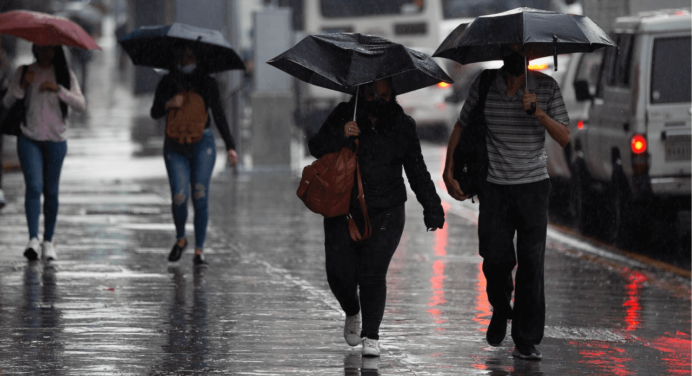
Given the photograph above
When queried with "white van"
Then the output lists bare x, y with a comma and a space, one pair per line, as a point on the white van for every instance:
636, 146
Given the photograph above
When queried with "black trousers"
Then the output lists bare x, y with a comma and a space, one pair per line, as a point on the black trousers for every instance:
504, 210
363, 265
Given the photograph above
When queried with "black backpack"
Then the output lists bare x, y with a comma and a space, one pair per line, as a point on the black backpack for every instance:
471, 153
12, 118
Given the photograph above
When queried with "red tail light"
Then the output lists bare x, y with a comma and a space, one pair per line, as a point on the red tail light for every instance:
580, 124
638, 144
443, 85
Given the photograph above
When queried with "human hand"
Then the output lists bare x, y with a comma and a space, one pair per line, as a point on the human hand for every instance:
351, 129
528, 99
453, 187
28, 79
175, 102
48, 86
232, 158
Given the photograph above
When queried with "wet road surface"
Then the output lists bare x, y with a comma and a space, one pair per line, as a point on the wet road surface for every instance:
112, 304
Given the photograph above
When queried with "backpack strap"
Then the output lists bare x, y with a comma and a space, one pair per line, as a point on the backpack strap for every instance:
487, 77
352, 228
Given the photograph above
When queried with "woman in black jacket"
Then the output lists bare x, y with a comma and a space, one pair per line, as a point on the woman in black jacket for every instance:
191, 164
387, 142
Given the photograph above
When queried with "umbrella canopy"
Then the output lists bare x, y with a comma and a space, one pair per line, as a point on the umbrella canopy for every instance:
547, 33
44, 29
154, 46
343, 61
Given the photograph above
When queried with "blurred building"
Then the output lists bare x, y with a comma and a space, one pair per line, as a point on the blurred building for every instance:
604, 12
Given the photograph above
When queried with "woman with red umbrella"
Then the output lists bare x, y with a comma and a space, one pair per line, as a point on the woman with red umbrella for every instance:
49, 89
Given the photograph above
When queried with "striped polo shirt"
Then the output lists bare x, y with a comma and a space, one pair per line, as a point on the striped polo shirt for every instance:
516, 141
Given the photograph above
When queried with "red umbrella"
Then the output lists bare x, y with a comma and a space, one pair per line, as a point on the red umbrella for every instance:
44, 29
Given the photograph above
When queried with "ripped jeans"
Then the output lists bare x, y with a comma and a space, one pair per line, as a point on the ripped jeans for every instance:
190, 166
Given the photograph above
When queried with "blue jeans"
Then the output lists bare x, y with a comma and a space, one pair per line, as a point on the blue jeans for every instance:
41, 163
190, 166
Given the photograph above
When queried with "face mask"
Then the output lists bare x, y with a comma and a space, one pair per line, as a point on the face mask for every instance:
188, 68
378, 107
514, 64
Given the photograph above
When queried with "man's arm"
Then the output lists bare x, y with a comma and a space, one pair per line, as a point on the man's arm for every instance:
448, 175
558, 131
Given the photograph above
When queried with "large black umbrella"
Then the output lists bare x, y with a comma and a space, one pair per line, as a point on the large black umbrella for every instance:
343, 61
545, 32
154, 46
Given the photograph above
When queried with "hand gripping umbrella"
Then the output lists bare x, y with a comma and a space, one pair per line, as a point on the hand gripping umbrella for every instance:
154, 46
545, 33
44, 29
344, 61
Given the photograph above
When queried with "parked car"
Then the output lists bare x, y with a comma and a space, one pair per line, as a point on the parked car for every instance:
574, 67
428, 106
635, 147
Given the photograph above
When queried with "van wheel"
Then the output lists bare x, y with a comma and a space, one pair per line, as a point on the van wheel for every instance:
619, 212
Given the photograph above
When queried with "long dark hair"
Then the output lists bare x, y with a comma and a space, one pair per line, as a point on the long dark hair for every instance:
62, 72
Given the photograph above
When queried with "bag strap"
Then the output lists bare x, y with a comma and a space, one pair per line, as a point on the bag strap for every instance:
484, 88
352, 228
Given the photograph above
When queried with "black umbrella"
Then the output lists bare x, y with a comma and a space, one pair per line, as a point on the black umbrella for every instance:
343, 61
154, 46
547, 33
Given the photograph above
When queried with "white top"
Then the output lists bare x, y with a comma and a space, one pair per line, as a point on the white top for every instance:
44, 121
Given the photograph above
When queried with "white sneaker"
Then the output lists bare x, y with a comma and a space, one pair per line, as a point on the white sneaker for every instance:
31, 251
352, 330
371, 347
48, 251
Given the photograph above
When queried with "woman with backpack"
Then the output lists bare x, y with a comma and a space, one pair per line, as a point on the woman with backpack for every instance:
48, 88
185, 97
387, 142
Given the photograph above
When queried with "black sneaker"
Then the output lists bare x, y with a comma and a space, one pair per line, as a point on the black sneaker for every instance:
528, 352
176, 252
497, 330
31, 254
199, 261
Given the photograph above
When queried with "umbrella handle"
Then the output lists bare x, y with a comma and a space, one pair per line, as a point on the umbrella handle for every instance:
526, 87
355, 107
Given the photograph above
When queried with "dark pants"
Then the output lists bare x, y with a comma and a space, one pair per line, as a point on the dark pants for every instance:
504, 210
363, 265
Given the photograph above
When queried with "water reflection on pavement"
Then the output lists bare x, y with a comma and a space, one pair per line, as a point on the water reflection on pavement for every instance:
112, 304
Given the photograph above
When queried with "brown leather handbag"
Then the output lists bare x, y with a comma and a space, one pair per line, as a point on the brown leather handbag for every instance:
326, 184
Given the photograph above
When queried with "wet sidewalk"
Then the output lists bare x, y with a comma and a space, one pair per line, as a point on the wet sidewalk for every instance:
112, 304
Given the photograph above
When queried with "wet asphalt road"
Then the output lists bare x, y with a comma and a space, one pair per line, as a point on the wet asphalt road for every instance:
112, 304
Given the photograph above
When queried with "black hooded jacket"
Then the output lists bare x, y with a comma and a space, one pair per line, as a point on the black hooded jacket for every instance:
383, 150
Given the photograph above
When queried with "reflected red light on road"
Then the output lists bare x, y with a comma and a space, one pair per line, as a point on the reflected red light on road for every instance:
441, 236
606, 358
483, 314
677, 352
632, 306
438, 277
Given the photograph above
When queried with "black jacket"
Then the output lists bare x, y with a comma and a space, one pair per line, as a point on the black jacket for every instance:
176, 82
383, 151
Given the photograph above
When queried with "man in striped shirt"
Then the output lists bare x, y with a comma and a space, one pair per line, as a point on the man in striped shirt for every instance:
515, 195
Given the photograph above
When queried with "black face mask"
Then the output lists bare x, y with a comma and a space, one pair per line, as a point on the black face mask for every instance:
515, 64
378, 107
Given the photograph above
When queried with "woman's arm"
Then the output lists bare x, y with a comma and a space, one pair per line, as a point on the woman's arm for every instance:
331, 136
164, 91
72, 97
15, 90
218, 113
420, 180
